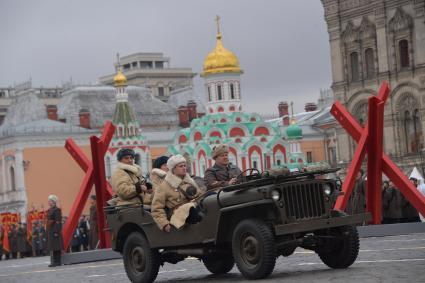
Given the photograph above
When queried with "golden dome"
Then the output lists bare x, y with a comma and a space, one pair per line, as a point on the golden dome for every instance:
220, 60
120, 79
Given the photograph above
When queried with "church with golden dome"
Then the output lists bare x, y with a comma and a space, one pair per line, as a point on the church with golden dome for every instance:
222, 73
253, 142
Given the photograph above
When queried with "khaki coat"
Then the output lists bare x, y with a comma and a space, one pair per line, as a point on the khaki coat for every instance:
169, 196
157, 176
123, 182
54, 229
219, 176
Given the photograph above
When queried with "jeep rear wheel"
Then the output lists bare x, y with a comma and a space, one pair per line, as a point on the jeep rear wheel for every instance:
254, 249
219, 265
344, 252
141, 263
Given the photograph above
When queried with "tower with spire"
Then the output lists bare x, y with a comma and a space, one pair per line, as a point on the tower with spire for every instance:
128, 132
221, 75
295, 135
253, 142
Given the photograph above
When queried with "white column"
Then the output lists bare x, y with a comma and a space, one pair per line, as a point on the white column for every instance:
20, 181
19, 170
4, 183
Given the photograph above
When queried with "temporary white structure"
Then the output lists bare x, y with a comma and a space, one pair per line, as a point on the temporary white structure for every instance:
415, 174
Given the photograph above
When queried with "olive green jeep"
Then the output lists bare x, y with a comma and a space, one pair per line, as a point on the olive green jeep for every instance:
250, 224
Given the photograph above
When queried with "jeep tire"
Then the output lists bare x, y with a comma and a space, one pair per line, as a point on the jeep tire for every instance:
219, 264
141, 263
343, 253
254, 249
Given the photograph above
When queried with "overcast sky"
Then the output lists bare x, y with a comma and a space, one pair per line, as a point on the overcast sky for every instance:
282, 45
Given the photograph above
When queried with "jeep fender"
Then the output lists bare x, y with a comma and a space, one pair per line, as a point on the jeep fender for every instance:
264, 209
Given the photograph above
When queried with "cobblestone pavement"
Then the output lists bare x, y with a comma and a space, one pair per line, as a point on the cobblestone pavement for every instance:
385, 259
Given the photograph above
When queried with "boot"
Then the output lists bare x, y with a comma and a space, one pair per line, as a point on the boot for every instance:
55, 259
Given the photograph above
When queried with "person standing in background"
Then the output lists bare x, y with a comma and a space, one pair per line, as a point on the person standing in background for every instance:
54, 231
93, 236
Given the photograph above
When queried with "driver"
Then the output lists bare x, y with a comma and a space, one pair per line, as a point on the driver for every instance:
223, 173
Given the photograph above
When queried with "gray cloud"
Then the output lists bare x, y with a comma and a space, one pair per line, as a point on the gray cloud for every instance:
281, 45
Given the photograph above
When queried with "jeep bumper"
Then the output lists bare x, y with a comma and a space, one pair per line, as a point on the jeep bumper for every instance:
317, 224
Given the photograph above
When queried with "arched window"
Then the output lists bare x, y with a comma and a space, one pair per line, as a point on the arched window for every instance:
219, 93
361, 113
354, 63
209, 93
232, 91
370, 63
418, 144
407, 121
12, 179
403, 47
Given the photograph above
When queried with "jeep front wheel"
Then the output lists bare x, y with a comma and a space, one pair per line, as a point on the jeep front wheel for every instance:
141, 263
254, 249
219, 264
343, 252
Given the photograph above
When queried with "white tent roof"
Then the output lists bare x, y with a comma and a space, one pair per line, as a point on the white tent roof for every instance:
415, 174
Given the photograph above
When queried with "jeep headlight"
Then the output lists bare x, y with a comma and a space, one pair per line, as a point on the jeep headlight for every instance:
275, 195
327, 189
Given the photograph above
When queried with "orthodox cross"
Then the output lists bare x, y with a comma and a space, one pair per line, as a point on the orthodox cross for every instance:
217, 19
118, 62
292, 109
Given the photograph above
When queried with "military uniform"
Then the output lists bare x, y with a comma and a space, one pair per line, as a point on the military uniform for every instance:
54, 234
93, 236
83, 234
157, 176
357, 202
37, 244
43, 238
410, 214
75, 241
392, 201
22, 239
219, 176
124, 181
171, 194
13, 242
1, 242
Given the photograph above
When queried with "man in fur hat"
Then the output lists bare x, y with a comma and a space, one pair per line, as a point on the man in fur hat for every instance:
159, 171
177, 189
223, 173
127, 180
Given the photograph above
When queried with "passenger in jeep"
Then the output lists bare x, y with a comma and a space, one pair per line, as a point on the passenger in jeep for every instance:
127, 180
176, 191
223, 173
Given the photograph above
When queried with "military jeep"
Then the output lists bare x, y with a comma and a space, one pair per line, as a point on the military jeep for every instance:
250, 224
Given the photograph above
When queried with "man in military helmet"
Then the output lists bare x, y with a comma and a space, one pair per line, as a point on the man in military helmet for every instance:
223, 173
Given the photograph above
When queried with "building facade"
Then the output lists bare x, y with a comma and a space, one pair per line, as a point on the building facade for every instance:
49, 95
253, 142
153, 71
372, 41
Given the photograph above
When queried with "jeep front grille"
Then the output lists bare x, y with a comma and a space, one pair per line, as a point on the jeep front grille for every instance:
303, 200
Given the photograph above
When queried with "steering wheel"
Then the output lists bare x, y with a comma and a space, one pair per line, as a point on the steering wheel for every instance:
248, 175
